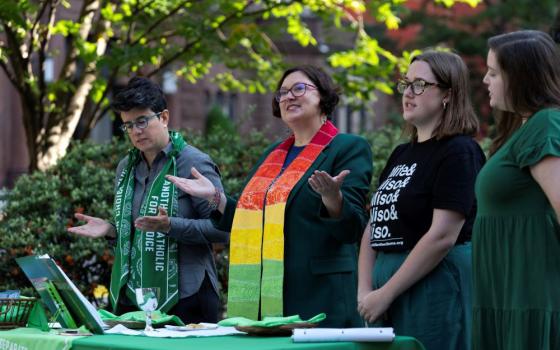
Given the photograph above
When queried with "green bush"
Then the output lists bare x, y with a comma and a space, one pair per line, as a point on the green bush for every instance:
41, 206
217, 121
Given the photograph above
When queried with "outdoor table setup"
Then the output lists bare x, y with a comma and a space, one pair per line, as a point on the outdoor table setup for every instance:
235, 333
31, 338
77, 325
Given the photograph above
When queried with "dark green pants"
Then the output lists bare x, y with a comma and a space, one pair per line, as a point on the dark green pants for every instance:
437, 310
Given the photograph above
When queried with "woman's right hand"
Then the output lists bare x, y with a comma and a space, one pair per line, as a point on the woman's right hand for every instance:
199, 187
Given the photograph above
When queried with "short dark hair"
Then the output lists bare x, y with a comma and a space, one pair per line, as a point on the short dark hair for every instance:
451, 74
529, 61
328, 91
140, 93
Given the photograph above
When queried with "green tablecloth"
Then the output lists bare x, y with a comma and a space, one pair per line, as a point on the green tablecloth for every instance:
31, 338
240, 342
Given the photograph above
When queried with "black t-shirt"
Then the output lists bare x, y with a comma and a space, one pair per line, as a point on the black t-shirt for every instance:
421, 177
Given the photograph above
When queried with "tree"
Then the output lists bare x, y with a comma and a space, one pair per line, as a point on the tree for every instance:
108, 39
467, 31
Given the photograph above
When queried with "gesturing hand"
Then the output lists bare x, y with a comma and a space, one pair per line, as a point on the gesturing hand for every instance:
326, 185
199, 187
158, 223
93, 228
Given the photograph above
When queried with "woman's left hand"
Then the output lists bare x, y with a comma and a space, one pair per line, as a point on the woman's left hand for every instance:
326, 185
374, 305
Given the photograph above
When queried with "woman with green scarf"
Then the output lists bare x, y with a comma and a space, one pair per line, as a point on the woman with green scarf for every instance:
163, 237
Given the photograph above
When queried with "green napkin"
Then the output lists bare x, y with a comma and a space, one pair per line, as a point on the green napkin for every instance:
38, 317
158, 317
269, 321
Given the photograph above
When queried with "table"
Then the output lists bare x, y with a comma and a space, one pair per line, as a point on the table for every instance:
35, 339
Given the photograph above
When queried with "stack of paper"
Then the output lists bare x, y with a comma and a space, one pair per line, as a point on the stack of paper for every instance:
307, 335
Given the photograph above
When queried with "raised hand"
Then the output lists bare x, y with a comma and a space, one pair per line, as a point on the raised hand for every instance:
158, 223
93, 228
326, 185
329, 189
199, 187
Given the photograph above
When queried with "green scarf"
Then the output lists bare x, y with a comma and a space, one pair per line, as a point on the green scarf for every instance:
146, 259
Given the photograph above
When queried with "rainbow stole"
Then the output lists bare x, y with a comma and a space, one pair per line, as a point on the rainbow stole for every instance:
256, 264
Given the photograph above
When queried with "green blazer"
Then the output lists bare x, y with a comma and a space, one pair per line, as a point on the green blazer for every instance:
320, 253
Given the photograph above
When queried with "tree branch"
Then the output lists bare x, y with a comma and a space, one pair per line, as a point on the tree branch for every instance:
20, 65
45, 36
69, 65
86, 17
159, 21
75, 102
33, 31
97, 112
10, 76
168, 61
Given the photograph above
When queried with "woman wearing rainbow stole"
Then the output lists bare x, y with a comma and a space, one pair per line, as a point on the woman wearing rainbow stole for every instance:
295, 226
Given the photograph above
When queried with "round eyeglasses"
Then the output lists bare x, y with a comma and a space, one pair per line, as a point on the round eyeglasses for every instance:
418, 86
141, 122
297, 90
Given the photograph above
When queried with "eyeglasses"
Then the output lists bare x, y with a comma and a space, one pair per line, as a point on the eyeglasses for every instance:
418, 86
297, 90
140, 122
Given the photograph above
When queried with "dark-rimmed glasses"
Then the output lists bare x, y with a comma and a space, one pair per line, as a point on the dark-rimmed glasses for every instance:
297, 90
141, 122
418, 86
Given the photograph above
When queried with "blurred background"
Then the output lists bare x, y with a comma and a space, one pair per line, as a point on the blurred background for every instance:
218, 62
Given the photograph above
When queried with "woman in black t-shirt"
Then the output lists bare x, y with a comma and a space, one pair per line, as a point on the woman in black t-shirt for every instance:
415, 256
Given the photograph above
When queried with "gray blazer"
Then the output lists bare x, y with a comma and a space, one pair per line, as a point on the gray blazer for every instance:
191, 227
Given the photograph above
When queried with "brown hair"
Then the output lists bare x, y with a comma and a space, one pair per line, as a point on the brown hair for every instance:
452, 74
328, 91
530, 63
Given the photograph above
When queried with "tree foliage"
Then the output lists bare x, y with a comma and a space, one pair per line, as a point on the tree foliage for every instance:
467, 31
104, 40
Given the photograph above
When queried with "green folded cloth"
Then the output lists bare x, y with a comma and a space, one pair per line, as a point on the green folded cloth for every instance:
158, 317
269, 321
38, 318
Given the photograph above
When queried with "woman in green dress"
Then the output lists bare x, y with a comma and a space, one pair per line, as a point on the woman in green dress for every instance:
516, 236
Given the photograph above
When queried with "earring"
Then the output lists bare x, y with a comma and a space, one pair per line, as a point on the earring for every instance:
323, 119
444, 105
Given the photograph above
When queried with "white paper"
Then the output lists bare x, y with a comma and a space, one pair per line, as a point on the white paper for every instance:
166, 333
202, 326
304, 335
120, 329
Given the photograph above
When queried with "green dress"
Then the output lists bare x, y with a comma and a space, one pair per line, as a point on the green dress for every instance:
516, 245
